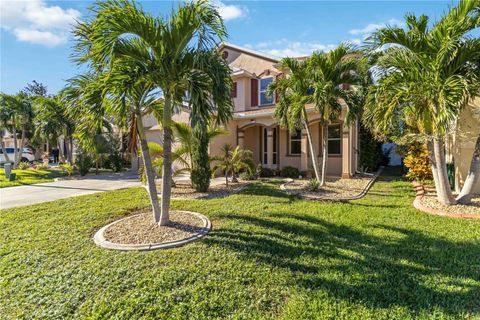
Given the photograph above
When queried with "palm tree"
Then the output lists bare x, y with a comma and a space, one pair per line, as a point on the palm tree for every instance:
294, 93
233, 161
167, 49
423, 80
331, 72
16, 114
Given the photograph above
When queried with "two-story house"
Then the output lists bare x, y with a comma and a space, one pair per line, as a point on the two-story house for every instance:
254, 126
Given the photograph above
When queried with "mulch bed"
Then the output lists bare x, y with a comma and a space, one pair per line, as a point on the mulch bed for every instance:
183, 191
335, 188
426, 201
141, 229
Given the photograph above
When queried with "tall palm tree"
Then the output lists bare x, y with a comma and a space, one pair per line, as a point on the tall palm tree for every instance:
294, 92
17, 115
423, 79
331, 72
167, 48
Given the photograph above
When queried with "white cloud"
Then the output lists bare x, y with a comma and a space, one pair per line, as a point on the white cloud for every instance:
230, 11
287, 48
36, 22
371, 27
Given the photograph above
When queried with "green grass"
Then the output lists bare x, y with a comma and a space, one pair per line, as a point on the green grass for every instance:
269, 256
29, 176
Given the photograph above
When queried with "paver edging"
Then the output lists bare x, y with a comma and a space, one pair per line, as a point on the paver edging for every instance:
360, 195
100, 240
417, 204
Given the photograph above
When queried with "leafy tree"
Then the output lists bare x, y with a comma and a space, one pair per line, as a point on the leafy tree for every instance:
423, 80
233, 161
35, 89
169, 52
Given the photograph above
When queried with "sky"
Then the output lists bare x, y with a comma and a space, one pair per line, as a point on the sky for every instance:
35, 40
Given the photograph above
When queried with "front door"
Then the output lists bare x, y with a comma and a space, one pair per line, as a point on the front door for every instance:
265, 142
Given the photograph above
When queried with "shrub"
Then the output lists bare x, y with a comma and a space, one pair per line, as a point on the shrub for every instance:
313, 185
200, 172
84, 163
67, 168
264, 172
290, 172
417, 162
115, 161
41, 166
370, 155
24, 165
247, 175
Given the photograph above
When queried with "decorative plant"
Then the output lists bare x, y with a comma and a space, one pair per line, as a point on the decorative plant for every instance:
417, 162
290, 172
24, 165
84, 162
313, 185
233, 161
67, 168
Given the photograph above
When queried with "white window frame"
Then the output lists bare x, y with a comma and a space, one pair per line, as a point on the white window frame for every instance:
339, 139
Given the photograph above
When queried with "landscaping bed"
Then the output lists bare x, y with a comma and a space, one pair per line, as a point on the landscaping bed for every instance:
334, 189
185, 191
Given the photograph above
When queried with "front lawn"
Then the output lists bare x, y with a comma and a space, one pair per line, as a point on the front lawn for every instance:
269, 256
29, 176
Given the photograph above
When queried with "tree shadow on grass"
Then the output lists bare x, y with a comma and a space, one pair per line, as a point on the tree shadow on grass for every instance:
397, 267
266, 189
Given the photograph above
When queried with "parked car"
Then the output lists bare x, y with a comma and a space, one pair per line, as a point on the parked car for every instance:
28, 155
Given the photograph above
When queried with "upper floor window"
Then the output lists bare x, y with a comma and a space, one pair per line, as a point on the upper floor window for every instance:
265, 99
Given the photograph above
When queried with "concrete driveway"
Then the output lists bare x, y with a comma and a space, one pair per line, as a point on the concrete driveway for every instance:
50, 191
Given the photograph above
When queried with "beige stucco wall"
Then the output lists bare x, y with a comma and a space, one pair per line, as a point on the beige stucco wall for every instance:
465, 137
245, 61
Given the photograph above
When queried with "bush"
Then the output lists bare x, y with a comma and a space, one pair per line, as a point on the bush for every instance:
200, 172
290, 172
41, 166
264, 172
115, 161
417, 162
67, 168
370, 155
246, 175
24, 165
84, 163
313, 185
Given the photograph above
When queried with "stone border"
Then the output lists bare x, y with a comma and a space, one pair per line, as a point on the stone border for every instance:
417, 204
360, 195
100, 240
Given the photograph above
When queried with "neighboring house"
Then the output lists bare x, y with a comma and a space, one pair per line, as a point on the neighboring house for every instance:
255, 128
468, 129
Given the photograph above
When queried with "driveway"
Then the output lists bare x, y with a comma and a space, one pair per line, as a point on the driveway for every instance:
50, 191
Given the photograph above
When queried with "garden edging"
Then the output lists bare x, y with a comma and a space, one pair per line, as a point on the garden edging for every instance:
360, 195
100, 240
417, 204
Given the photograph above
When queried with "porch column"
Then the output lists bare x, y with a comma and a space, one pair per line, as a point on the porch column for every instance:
270, 148
241, 138
346, 153
304, 154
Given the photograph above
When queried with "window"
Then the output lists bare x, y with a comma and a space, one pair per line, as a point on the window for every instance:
296, 143
234, 90
265, 99
334, 139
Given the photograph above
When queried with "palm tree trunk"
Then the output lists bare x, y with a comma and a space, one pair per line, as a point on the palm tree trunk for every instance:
15, 146
466, 193
149, 172
226, 178
444, 192
167, 161
22, 144
4, 150
324, 153
433, 163
313, 152
70, 153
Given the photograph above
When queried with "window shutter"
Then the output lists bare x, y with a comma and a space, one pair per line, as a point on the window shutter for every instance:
254, 92
234, 90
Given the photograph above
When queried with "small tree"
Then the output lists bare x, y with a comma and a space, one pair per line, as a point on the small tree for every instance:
233, 161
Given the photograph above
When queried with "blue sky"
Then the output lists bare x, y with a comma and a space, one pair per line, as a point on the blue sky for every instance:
35, 43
